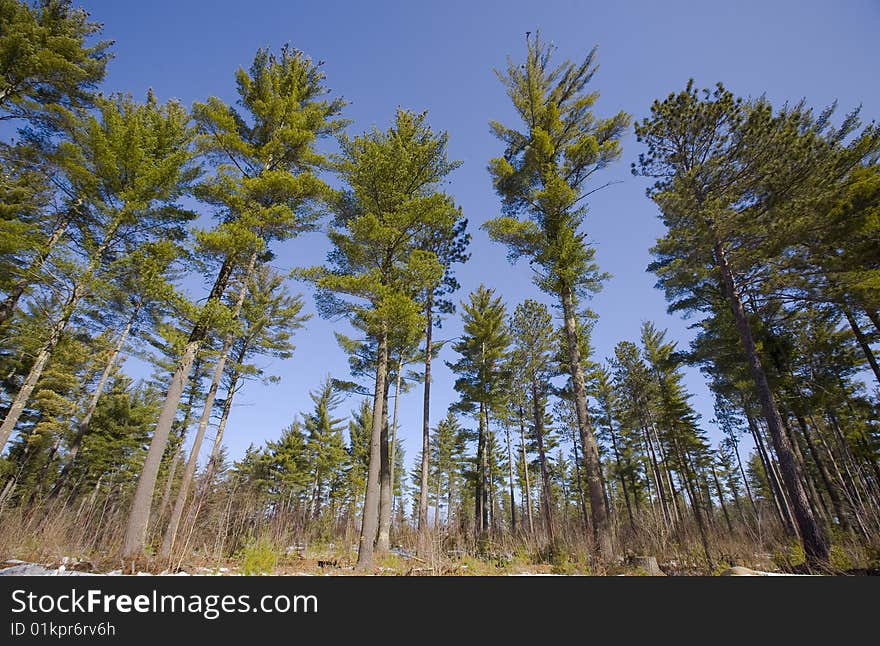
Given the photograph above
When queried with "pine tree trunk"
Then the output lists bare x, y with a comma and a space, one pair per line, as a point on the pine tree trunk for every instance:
665, 473
874, 317
139, 513
817, 502
815, 541
601, 525
219, 368
608, 505
848, 484
546, 492
824, 475
863, 343
224, 417
178, 453
525, 462
438, 483
745, 481
394, 427
721, 499
658, 480
16, 408
383, 534
617, 461
450, 496
370, 521
691, 487
489, 455
83, 426
426, 416
779, 499
169, 482
510, 479
479, 515
582, 500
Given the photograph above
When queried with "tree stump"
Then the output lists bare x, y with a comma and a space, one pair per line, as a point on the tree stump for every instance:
648, 564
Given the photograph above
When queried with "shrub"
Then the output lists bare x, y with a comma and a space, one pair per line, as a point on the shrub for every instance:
258, 557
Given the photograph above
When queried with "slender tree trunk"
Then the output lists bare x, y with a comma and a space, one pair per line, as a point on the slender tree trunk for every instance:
815, 541
779, 499
850, 459
617, 461
489, 455
863, 343
204, 420
745, 481
608, 505
848, 484
450, 496
426, 416
394, 429
854, 501
370, 521
16, 408
672, 506
83, 426
582, 500
139, 514
525, 462
178, 453
546, 492
479, 515
221, 426
601, 525
874, 317
169, 482
721, 499
510, 479
658, 479
10, 303
691, 487
386, 483
438, 483
824, 475
817, 502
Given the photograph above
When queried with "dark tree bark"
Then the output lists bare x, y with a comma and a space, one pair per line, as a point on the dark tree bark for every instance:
779, 499
620, 475
546, 491
863, 343
815, 541
592, 466
510, 479
480, 512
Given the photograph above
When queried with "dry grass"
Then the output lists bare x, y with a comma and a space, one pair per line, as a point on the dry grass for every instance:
89, 536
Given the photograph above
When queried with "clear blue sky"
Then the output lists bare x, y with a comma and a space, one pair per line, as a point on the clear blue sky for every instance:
439, 57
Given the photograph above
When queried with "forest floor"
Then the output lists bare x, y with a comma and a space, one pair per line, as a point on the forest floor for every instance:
396, 563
